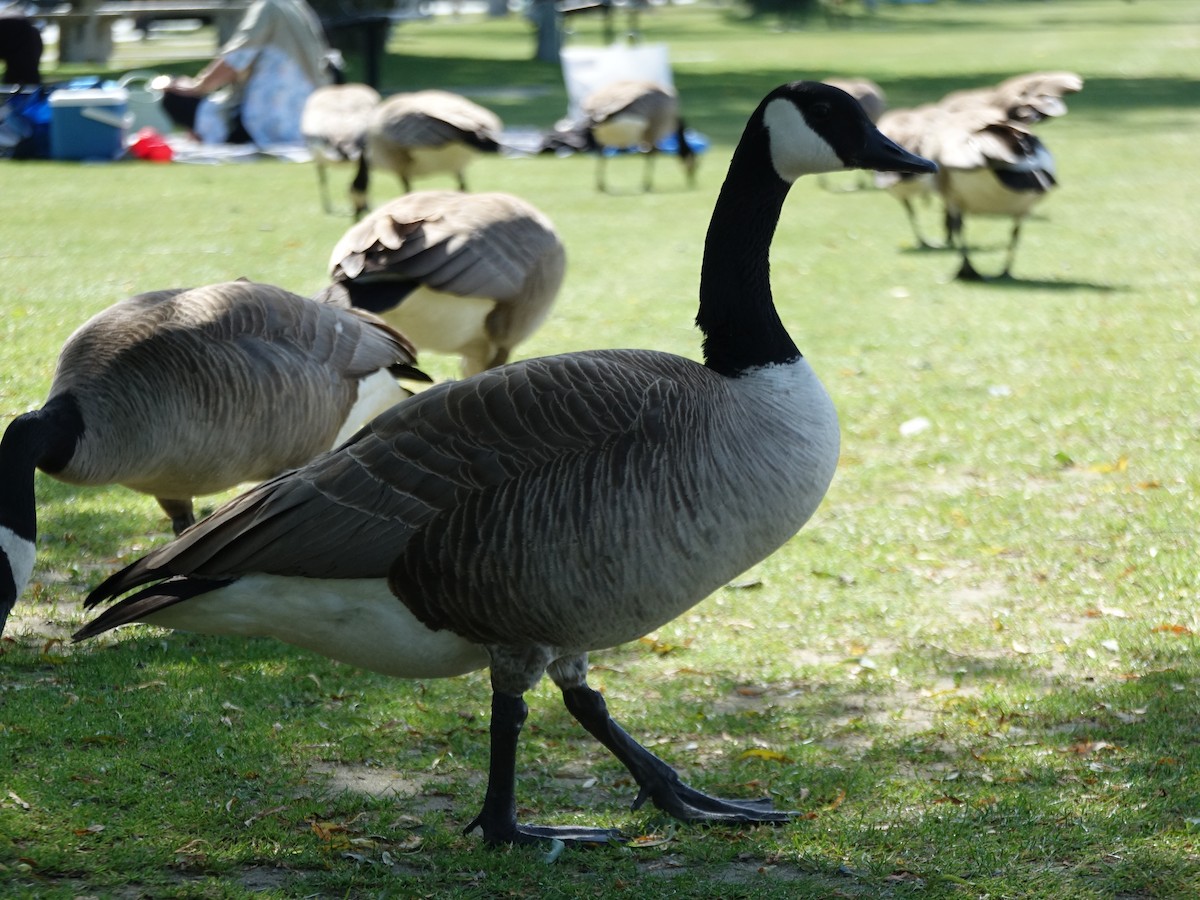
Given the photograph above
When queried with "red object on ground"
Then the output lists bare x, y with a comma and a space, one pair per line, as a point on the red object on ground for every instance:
149, 144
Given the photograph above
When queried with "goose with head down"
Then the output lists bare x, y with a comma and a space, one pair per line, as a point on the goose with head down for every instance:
636, 115
470, 274
526, 516
426, 133
180, 393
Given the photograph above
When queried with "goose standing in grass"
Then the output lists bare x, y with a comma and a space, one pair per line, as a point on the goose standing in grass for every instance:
470, 274
427, 133
334, 126
547, 508
631, 114
994, 169
179, 393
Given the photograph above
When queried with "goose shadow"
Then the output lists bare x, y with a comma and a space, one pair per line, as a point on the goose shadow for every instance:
1044, 284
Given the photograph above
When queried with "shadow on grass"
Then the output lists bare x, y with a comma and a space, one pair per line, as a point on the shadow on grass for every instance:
1015, 282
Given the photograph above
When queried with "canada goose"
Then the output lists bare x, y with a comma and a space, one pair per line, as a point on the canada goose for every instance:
427, 132
179, 393
996, 169
472, 274
630, 114
525, 516
1024, 99
334, 125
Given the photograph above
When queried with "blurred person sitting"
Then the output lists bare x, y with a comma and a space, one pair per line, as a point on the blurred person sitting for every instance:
254, 89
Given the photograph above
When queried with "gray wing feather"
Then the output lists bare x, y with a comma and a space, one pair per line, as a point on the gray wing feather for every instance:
353, 512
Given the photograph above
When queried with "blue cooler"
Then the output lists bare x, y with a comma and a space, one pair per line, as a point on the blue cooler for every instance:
88, 123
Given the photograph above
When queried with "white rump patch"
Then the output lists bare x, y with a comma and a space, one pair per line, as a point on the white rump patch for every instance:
354, 620
377, 392
795, 148
21, 553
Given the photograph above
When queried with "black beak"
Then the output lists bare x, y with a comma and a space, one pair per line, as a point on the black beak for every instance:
882, 154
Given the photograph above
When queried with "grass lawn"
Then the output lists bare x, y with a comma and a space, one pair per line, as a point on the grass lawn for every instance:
974, 673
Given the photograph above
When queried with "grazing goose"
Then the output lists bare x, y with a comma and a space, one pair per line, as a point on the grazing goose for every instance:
472, 274
179, 393
543, 509
633, 114
428, 132
334, 125
993, 169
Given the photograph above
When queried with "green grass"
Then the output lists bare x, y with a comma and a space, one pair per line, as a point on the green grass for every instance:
974, 673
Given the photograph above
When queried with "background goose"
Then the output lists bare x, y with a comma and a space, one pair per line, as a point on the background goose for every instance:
471, 274
633, 114
427, 133
334, 125
543, 509
996, 169
870, 96
919, 130
179, 393
1024, 99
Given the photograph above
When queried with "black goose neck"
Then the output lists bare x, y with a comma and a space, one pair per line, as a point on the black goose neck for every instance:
741, 326
44, 438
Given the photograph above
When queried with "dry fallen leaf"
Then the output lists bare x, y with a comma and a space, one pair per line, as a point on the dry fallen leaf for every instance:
764, 753
836, 801
1121, 464
1172, 629
662, 648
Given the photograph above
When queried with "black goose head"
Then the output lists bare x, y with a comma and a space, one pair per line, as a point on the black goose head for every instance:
813, 127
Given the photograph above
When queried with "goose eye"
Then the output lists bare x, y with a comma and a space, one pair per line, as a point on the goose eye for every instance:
819, 111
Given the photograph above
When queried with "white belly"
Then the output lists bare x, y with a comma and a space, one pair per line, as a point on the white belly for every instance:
621, 131
356, 621
979, 192
432, 160
377, 392
444, 323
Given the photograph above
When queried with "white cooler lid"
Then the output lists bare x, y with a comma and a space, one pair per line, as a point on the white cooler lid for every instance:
89, 97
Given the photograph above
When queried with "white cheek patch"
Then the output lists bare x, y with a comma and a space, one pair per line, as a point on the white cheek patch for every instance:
20, 553
795, 148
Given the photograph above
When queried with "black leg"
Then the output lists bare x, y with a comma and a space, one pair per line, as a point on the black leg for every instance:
657, 780
498, 818
912, 221
954, 236
180, 512
1012, 247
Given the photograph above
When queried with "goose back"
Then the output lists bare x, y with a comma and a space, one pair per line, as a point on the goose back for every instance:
188, 392
429, 132
473, 274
